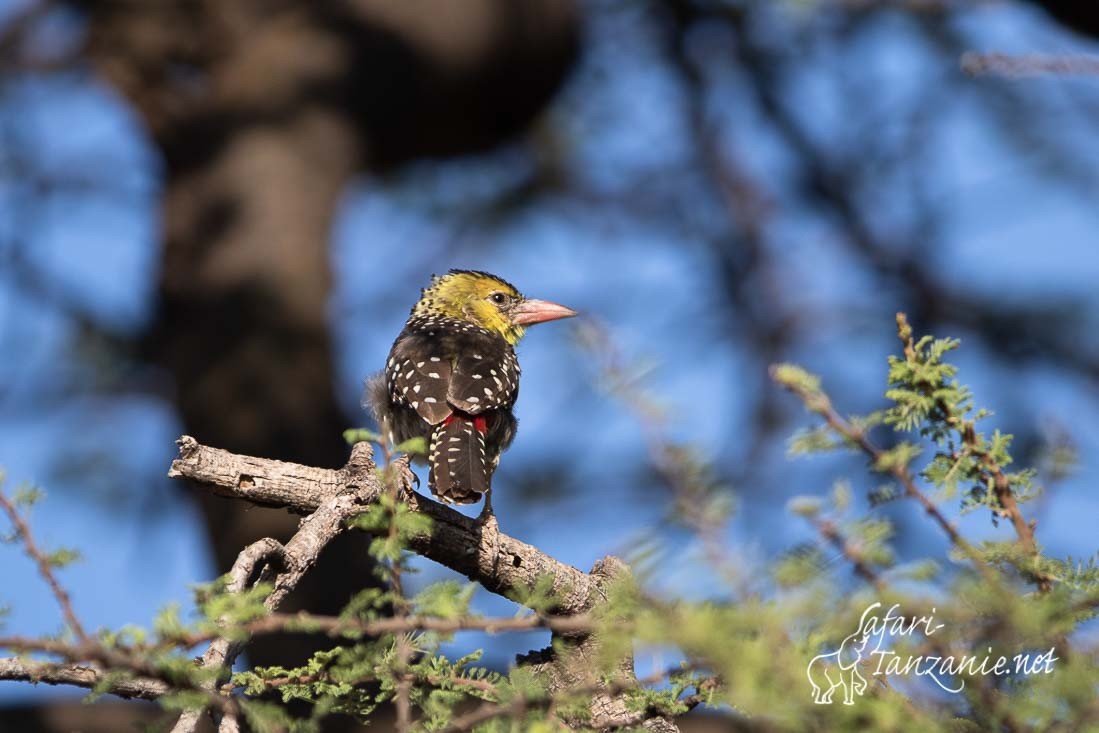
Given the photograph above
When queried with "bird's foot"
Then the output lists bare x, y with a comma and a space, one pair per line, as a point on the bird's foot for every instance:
405, 474
488, 521
487, 517
488, 529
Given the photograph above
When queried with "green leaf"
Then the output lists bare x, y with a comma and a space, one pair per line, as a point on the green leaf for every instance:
445, 599
539, 596
26, 496
820, 439
361, 435
167, 624
794, 376
804, 506
265, 717
898, 456
374, 519
415, 446
411, 524
841, 495
798, 567
62, 557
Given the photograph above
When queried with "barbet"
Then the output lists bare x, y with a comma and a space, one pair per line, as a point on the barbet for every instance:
452, 378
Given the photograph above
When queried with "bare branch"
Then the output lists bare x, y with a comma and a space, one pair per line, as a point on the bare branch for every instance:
502, 564
78, 675
45, 568
222, 652
477, 550
830, 532
1002, 64
116, 660
336, 625
332, 497
296, 557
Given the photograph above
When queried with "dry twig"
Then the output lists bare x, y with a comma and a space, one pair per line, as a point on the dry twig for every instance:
45, 567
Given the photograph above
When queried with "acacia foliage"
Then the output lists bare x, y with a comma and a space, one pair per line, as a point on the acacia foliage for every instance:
741, 651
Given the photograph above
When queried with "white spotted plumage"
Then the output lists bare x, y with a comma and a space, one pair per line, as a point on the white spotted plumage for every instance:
453, 374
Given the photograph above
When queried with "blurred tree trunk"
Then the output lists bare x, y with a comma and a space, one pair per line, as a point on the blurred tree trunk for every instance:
242, 325
1081, 17
263, 112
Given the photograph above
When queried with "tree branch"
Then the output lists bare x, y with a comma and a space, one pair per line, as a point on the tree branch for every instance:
45, 567
337, 625
502, 564
974, 445
332, 498
296, 558
1003, 64
109, 660
78, 675
819, 403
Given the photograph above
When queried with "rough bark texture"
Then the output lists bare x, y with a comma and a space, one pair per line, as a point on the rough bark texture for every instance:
263, 111
574, 667
285, 566
77, 675
500, 563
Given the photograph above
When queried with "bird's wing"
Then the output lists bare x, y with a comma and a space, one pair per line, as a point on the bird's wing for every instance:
418, 374
486, 377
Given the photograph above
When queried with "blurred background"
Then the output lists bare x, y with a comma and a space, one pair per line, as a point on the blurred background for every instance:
215, 216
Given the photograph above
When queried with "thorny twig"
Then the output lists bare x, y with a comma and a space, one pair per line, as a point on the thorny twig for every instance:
495, 559
830, 532
1009, 506
275, 623
1003, 64
296, 557
113, 660
696, 498
520, 704
819, 403
45, 567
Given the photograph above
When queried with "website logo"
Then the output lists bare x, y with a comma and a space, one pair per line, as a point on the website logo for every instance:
869, 649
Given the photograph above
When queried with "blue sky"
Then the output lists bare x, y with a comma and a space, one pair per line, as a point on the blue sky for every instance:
1009, 226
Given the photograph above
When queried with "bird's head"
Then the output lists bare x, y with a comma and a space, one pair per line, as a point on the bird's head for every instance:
487, 301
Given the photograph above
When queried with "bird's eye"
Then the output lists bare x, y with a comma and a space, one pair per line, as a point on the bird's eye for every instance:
498, 298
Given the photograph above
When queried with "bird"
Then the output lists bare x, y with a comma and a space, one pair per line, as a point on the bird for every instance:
452, 378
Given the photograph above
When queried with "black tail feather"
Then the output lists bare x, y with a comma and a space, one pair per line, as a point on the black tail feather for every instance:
459, 469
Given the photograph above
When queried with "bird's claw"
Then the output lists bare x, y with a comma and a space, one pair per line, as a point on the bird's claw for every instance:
405, 473
486, 520
487, 516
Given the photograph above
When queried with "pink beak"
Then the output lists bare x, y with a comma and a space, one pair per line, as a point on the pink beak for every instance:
539, 311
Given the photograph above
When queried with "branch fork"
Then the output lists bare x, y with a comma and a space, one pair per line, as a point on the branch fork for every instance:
475, 549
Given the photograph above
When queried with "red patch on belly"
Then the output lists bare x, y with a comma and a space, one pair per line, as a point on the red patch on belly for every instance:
480, 422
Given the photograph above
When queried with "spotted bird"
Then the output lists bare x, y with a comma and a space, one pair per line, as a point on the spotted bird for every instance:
452, 378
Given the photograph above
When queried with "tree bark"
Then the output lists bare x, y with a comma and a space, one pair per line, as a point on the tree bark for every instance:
480, 551
263, 111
